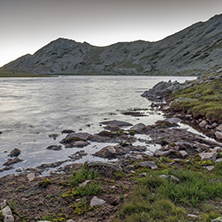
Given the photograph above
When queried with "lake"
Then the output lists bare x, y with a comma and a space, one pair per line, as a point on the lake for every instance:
31, 109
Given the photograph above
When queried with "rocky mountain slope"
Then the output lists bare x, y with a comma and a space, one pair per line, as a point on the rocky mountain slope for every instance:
194, 50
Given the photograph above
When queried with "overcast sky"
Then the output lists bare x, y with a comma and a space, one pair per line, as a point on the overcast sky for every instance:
27, 25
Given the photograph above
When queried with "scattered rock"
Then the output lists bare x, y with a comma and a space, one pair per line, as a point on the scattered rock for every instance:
116, 123
84, 183
209, 168
159, 153
14, 153
9, 218
76, 137
219, 219
208, 156
218, 135
80, 144
110, 152
7, 211
219, 160
183, 153
77, 155
95, 201
148, 164
12, 161
203, 123
192, 216
54, 147
219, 128
31, 177
138, 128
68, 131
171, 177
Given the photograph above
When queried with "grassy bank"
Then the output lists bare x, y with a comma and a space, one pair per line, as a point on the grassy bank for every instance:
202, 100
195, 197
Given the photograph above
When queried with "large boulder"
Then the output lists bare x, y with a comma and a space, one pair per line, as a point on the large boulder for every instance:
138, 128
76, 137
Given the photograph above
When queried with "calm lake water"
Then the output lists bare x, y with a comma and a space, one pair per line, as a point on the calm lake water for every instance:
33, 108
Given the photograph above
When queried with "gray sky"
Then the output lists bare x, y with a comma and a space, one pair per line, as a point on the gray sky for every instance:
27, 25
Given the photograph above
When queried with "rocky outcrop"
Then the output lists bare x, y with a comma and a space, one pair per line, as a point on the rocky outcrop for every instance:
192, 50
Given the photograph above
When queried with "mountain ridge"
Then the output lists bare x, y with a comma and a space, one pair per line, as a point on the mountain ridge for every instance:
195, 49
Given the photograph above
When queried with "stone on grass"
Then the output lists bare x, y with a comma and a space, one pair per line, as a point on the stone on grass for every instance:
95, 201
219, 160
219, 219
84, 183
209, 168
148, 164
183, 153
170, 177
159, 153
6, 211
192, 216
208, 156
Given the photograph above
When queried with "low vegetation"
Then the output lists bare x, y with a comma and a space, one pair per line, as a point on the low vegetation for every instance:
158, 198
202, 100
6, 74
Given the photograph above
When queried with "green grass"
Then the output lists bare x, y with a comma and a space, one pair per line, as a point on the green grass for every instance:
204, 100
159, 199
84, 174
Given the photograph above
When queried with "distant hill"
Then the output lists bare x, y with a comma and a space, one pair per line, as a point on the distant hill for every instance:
196, 49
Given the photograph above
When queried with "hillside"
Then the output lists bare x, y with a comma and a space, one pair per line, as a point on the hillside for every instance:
194, 50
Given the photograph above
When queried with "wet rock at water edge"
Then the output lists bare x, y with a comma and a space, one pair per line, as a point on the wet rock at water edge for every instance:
68, 131
15, 152
138, 128
116, 123
77, 155
110, 152
79, 144
54, 147
76, 137
12, 161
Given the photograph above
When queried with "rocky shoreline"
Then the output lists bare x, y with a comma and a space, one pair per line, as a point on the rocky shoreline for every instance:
177, 144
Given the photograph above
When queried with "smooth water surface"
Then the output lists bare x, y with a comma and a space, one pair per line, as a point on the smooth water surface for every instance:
31, 109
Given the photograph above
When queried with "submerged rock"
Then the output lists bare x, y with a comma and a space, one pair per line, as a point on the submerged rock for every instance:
54, 147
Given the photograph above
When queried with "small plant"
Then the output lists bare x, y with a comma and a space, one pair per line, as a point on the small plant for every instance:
132, 132
84, 174
49, 217
45, 183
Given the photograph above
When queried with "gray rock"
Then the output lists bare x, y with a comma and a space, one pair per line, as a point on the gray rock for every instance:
218, 135
6, 211
84, 183
208, 156
192, 216
95, 201
3, 204
170, 177
76, 137
12, 161
15, 152
54, 147
218, 160
31, 177
203, 123
209, 168
183, 153
159, 153
219, 219
80, 143
219, 128
138, 128
110, 152
9, 218
148, 164
116, 123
